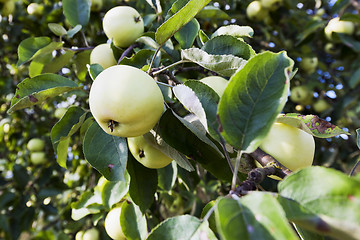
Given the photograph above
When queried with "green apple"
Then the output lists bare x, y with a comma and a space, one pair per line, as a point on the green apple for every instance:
271, 4
91, 234
146, 154
321, 105
96, 5
112, 224
103, 54
37, 158
79, 235
8, 8
301, 94
256, 12
35, 9
125, 101
123, 25
336, 25
309, 64
35, 145
290, 146
60, 112
218, 84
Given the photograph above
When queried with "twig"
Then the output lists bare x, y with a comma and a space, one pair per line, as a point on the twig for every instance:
127, 51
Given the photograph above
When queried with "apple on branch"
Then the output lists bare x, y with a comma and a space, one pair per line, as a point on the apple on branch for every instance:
218, 84
103, 54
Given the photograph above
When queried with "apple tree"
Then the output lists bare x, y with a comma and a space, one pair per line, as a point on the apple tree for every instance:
179, 119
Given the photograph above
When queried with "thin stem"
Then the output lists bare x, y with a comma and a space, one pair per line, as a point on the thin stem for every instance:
127, 51
153, 59
84, 37
354, 168
79, 49
237, 165
170, 66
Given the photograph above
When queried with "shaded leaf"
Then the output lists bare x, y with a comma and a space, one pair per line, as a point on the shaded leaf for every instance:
311, 27
225, 65
167, 176
354, 79
211, 12
77, 11
132, 221
95, 70
253, 99
35, 90
139, 59
106, 153
187, 34
82, 208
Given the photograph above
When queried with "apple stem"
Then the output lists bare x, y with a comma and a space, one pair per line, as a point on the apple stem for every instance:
237, 165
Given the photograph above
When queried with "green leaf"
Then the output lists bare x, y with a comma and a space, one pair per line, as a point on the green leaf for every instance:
143, 183
77, 11
311, 124
95, 70
37, 65
82, 207
228, 45
235, 31
308, 194
132, 221
57, 29
58, 62
182, 227
211, 12
74, 31
350, 42
35, 90
81, 60
64, 129
355, 79
253, 99
256, 216
113, 192
139, 59
178, 20
311, 27
184, 137
106, 153
167, 176
187, 34
30, 48
225, 65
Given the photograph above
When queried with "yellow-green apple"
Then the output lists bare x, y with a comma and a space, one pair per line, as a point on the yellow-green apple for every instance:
35, 145
271, 4
321, 105
112, 224
96, 5
218, 84
301, 94
79, 235
146, 154
35, 9
37, 158
8, 8
256, 12
290, 146
309, 64
123, 25
91, 234
125, 101
336, 25
103, 54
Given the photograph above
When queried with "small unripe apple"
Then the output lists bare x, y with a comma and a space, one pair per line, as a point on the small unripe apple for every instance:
292, 147
35, 9
321, 105
336, 25
96, 5
35, 145
125, 101
256, 12
123, 25
8, 8
146, 154
103, 54
91, 234
218, 84
271, 4
79, 235
301, 94
37, 158
112, 224
309, 64
60, 112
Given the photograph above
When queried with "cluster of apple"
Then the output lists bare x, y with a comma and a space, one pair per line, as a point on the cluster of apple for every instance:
36, 147
258, 10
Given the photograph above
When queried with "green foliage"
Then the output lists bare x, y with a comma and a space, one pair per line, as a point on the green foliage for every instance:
45, 66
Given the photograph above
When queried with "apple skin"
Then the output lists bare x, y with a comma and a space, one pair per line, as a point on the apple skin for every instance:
35, 145
336, 25
271, 4
146, 154
218, 84
127, 99
103, 54
35, 9
37, 158
302, 95
79, 235
309, 64
112, 224
321, 105
123, 25
256, 12
91, 234
290, 146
